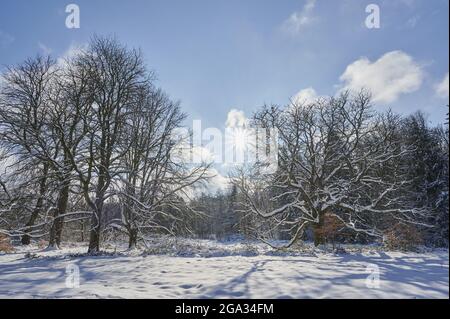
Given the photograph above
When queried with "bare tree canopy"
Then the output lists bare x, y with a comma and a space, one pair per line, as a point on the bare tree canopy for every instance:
88, 148
338, 158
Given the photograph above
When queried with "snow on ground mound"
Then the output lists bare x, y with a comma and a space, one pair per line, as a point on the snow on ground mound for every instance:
232, 270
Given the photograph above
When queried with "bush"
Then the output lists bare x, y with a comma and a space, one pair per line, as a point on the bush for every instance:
42, 244
5, 244
403, 237
331, 230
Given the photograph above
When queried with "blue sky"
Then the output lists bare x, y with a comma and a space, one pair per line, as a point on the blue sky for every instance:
218, 55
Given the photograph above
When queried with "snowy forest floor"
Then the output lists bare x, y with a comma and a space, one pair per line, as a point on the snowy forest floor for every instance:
210, 269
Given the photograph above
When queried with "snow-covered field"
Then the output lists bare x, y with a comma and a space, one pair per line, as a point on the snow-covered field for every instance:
206, 269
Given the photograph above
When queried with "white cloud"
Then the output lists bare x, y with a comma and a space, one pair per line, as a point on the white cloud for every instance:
393, 74
300, 19
45, 49
442, 88
218, 182
236, 118
305, 96
71, 52
184, 152
203, 153
5, 39
215, 183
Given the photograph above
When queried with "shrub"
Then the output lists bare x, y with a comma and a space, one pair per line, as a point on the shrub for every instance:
331, 229
403, 237
5, 244
42, 244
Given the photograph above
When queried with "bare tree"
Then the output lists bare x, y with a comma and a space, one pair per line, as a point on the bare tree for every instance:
115, 75
153, 184
334, 157
71, 101
24, 130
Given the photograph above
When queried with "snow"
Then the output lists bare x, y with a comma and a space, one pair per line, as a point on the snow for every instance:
207, 269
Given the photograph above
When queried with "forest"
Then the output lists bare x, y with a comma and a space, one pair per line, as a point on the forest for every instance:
87, 155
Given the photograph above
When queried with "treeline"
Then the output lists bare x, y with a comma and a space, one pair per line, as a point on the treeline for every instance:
87, 140
345, 173
346, 170
88, 144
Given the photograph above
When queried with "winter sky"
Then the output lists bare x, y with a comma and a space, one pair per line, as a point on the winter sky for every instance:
223, 59
217, 55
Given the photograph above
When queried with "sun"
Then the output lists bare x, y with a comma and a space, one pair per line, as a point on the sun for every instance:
239, 138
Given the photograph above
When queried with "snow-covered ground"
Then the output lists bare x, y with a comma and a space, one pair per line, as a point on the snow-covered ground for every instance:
206, 269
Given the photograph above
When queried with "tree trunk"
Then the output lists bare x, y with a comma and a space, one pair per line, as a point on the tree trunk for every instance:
133, 234
82, 231
58, 222
26, 238
318, 231
94, 234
